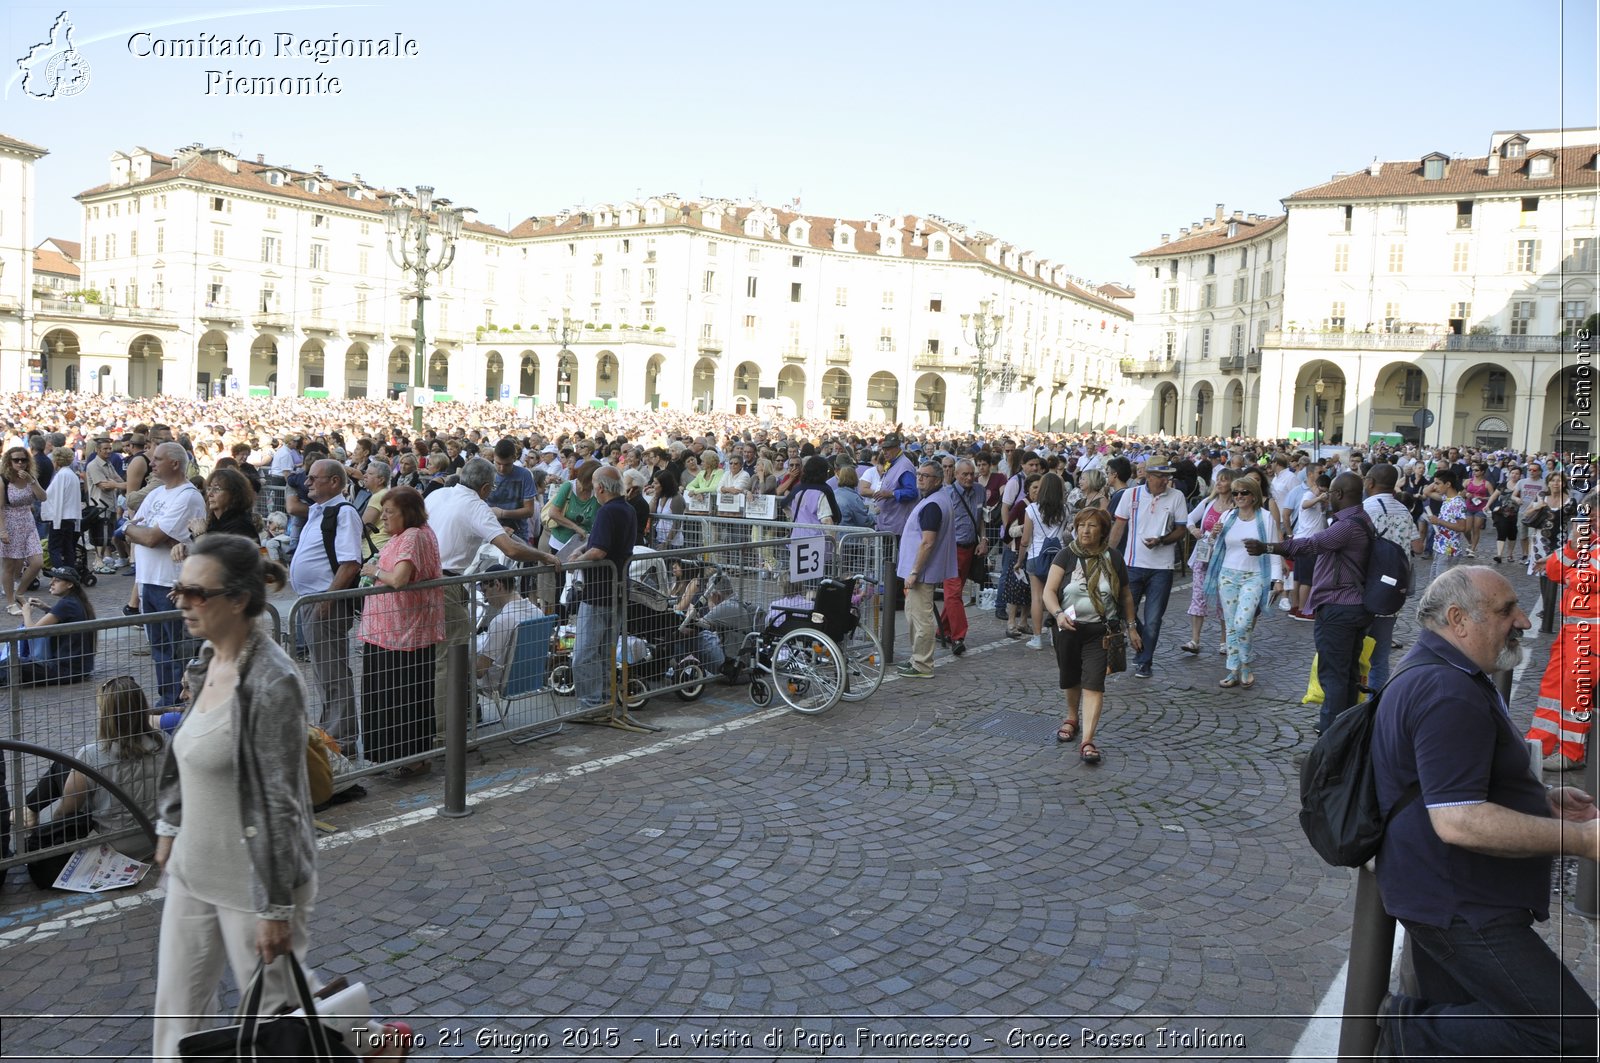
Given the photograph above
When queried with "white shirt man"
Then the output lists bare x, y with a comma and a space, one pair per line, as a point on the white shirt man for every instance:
327, 623
1150, 511
161, 522
498, 642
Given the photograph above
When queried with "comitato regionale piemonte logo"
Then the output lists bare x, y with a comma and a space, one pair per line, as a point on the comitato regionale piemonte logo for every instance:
54, 68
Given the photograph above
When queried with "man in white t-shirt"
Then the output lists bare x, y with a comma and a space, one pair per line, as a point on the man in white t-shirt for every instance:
462, 522
161, 522
1151, 519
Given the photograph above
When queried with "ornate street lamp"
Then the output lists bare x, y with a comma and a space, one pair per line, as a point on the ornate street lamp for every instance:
982, 330
566, 331
411, 225
1318, 388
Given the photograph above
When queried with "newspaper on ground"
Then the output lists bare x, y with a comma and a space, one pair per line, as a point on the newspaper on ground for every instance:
99, 868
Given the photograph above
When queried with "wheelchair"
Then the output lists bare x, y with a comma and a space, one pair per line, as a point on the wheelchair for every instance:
813, 656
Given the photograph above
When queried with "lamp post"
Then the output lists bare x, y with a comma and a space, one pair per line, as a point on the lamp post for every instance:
411, 225
1318, 388
982, 330
566, 330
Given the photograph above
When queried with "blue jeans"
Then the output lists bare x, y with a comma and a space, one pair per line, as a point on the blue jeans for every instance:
1382, 635
708, 651
1152, 586
1337, 635
1496, 992
593, 648
169, 646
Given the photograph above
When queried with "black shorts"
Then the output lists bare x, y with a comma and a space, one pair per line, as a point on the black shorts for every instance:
1081, 656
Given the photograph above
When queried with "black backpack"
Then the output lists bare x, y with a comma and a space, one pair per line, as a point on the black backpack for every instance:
1388, 576
1339, 810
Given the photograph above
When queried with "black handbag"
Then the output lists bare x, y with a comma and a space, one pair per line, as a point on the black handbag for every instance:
301, 1037
1115, 641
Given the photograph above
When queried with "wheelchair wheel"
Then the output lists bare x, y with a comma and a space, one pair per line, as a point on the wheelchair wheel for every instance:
760, 693
693, 674
89, 577
561, 680
808, 671
863, 656
636, 694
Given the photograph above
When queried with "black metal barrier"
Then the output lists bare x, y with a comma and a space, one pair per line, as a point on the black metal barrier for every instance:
20, 749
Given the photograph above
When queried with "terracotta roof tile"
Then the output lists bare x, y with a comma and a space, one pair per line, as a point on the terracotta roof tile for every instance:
1214, 235
1574, 168
50, 262
70, 248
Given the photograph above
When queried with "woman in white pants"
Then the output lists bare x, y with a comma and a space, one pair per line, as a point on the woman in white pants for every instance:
235, 833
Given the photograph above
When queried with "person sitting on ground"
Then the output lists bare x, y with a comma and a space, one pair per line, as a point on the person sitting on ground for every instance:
65, 658
68, 806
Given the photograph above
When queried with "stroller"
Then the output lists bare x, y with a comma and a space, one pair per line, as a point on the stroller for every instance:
657, 652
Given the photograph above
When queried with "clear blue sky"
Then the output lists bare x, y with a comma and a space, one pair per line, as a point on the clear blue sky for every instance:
1081, 131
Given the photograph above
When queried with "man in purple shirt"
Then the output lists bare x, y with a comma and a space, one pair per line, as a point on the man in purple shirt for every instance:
1338, 587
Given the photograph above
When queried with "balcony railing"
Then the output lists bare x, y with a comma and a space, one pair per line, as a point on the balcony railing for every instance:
795, 354
219, 312
938, 360
1234, 363
10, 303
710, 345
839, 356
1416, 341
104, 311
317, 323
365, 328
1148, 366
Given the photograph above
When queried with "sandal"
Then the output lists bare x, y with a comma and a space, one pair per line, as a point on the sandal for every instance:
1247, 680
1190, 647
1089, 753
1229, 680
1067, 731
1014, 633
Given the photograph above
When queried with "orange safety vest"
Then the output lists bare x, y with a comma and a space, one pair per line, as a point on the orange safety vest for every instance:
1565, 711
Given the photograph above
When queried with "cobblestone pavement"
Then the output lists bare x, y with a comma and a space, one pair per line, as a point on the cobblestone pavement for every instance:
928, 864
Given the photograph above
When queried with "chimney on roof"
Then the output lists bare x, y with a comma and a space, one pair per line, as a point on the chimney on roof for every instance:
356, 178
1183, 232
1376, 168
260, 159
1238, 215
1165, 237
1494, 164
1221, 211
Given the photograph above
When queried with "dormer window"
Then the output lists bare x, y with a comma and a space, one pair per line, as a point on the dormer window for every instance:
274, 178
1515, 147
309, 184
1433, 166
1541, 165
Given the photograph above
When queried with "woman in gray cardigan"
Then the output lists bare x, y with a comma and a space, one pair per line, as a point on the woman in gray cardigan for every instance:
235, 831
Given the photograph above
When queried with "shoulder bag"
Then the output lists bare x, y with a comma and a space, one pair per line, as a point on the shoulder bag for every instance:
251, 1037
1115, 640
978, 567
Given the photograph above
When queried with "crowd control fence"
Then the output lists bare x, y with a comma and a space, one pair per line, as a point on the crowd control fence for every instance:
53, 678
691, 609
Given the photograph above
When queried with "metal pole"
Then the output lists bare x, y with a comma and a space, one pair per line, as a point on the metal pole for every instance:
1367, 980
457, 703
418, 378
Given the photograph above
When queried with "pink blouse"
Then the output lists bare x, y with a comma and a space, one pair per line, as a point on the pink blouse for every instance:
407, 620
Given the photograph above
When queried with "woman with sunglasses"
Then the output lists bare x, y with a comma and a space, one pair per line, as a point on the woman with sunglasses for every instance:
21, 556
234, 823
1244, 585
1204, 521
1479, 495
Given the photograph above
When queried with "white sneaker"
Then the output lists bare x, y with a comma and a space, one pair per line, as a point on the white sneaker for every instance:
1035, 643
1561, 762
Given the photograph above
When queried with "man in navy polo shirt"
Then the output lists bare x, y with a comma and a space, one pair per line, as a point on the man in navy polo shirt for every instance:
612, 538
1465, 866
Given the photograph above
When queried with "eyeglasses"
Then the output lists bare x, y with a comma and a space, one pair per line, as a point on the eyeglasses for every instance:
1241, 494
182, 592
19, 461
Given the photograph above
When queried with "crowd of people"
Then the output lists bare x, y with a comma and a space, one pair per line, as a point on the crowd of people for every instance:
1079, 539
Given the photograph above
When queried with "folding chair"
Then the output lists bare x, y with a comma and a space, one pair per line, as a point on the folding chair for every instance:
527, 676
